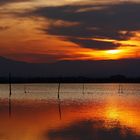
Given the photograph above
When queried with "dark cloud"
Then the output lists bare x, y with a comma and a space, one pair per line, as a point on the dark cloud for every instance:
106, 21
92, 130
101, 45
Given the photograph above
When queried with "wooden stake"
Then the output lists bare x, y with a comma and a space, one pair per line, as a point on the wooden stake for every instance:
83, 88
59, 85
120, 89
59, 102
10, 85
25, 89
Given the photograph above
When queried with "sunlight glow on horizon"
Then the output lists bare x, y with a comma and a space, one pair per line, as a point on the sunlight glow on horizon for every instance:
113, 52
28, 36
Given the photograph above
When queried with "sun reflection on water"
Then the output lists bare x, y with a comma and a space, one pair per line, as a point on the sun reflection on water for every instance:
90, 113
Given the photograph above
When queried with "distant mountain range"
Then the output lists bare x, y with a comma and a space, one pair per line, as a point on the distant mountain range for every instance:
128, 67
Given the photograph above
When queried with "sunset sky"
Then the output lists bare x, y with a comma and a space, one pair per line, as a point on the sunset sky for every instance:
54, 30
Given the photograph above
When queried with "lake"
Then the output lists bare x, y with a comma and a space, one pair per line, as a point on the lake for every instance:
77, 112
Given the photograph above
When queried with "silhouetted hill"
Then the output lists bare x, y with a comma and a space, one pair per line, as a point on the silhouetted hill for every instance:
129, 68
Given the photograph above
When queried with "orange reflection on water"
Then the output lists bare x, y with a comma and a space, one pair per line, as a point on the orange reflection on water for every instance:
31, 119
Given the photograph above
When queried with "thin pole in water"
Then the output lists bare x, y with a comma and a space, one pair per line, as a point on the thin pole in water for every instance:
83, 88
10, 85
25, 89
10, 93
59, 86
59, 102
120, 89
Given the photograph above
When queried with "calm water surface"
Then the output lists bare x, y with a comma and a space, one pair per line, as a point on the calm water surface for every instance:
82, 112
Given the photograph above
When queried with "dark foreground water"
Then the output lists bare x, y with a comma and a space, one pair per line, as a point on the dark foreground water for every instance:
82, 112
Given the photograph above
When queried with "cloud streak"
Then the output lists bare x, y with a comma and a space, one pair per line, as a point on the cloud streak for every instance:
116, 22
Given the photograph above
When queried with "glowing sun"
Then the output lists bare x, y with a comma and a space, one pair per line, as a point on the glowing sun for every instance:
113, 51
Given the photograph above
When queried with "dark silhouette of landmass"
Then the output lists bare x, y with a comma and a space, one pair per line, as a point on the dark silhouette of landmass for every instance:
126, 70
112, 79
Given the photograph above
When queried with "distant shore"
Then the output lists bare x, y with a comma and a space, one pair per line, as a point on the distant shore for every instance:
112, 79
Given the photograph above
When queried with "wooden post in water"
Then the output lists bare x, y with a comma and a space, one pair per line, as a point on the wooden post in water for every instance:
83, 88
59, 102
10, 93
25, 89
59, 86
120, 90
10, 85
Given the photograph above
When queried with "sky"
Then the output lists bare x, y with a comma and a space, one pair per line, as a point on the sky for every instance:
54, 30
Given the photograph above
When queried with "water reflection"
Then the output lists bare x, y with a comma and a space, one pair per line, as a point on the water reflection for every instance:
99, 116
10, 107
92, 130
59, 108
